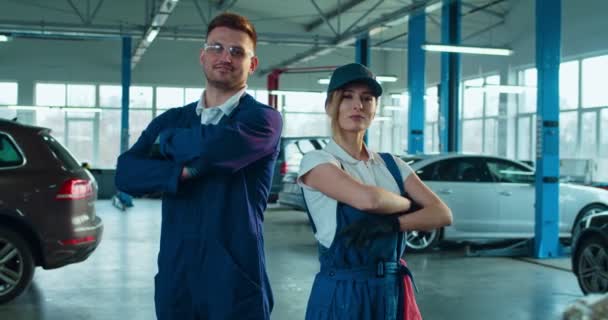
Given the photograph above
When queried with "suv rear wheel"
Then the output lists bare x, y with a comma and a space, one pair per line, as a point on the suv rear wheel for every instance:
16, 265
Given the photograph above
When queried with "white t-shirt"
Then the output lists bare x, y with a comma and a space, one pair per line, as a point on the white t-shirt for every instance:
373, 172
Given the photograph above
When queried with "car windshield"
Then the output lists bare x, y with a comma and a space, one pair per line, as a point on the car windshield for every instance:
61, 153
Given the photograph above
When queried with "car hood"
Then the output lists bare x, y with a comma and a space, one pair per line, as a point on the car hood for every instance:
579, 192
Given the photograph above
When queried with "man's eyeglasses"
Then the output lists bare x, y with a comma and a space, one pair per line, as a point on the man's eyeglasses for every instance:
235, 52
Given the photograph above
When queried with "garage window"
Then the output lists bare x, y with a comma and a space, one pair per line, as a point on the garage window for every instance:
9, 154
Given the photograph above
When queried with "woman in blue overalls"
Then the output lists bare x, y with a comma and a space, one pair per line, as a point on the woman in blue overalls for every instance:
357, 200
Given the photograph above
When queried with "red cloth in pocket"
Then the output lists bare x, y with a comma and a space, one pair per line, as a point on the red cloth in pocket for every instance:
410, 308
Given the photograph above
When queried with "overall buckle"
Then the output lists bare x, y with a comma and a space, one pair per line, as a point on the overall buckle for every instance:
380, 272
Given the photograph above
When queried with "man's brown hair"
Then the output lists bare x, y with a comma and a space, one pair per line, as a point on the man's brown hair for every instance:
236, 22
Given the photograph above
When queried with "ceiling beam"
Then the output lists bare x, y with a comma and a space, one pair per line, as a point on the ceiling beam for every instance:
484, 8
72, 31
153, 29
324, 17
200, 12
82, 18
348, 38
332, 14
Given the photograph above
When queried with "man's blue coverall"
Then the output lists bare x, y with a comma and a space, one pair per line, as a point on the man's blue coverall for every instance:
211, 262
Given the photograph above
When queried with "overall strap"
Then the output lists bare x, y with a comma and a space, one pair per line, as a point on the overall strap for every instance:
312, 223
392, 167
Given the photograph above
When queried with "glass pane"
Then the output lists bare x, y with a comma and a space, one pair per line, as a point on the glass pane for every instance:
109, 138
589, 135
300, 124
428, 137
568, 128
6, 113
49, 94
594, 81
53, 119
169, 97
138, 121
472, 136
490, 137
492, 101
9, 155
303, 102
261, 96
80, 140
529, 96
604, 137
81, 95
602, 160
508, 172
472, 103
193, 94
8, 93
523, 138
568, 85
140, 97
495, 79
431, 105
110, 96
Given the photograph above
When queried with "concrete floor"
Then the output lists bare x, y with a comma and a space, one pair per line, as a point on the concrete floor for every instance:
116, 282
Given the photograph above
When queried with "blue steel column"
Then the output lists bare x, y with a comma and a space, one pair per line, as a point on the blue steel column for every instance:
362, 56
548, 42
362, 50
416, 81
126, 83
449, 89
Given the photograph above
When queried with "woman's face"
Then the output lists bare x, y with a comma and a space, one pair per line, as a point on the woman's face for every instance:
357, 108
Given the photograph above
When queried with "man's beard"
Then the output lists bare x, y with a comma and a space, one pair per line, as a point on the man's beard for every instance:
226, 83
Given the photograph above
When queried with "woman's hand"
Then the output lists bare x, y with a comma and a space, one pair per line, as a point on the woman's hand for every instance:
362, 232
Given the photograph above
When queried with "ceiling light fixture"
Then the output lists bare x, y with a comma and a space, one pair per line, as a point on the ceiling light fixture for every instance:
467, 49
386, 78
393, 108
152, 33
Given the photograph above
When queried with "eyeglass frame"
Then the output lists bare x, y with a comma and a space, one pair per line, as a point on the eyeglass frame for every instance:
230, 49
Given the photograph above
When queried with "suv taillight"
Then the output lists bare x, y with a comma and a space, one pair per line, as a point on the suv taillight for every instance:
75, 189
283, 169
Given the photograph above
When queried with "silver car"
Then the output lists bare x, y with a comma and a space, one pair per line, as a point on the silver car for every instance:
492, 198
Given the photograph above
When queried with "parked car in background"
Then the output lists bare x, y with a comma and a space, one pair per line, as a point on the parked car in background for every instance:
47, 207
492, 198
590, 253
290, 155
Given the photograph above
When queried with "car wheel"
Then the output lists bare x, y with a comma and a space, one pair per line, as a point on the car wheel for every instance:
592, 265
423, 241
16, 265
587, 211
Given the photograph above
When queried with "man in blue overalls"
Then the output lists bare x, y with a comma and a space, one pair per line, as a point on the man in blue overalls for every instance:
213, 160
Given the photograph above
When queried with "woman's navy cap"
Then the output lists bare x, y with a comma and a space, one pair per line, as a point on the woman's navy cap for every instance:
354, 72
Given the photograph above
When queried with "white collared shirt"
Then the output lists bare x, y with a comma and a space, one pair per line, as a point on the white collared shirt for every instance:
213, 115
372, 172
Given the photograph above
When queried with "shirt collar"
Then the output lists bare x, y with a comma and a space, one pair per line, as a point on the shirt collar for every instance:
334, 148
227, 107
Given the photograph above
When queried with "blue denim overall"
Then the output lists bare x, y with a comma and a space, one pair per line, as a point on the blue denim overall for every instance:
360, 283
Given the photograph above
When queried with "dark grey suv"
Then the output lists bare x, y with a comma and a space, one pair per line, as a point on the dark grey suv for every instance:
292, 151
47, 207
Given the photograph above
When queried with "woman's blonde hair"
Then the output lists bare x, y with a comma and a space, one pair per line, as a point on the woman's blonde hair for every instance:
332, 108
